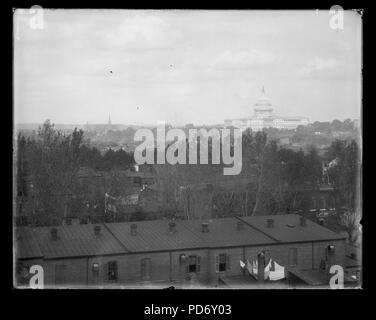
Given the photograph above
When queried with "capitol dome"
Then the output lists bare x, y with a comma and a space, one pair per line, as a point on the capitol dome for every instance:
263, 117
263, 101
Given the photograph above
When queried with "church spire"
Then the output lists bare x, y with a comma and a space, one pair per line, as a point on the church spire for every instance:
109, 122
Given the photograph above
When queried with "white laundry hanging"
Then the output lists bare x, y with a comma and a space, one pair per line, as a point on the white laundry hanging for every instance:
278, 273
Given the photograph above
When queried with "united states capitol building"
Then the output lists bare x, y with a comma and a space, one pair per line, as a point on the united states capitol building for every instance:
264, 117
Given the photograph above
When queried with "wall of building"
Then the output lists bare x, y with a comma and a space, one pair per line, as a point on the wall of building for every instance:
338, 258
178, 269
235, 255
129, 268
74, 275
166, 267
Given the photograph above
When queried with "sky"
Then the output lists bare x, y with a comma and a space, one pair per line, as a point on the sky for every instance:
183, 66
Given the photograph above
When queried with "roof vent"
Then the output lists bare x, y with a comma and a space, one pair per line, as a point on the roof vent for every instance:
240, 225
205, 227
172, 226
97, 230
270, 223
134, 229
303, 221
54, 236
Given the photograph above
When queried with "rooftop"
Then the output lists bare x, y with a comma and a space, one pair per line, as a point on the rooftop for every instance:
154, 236
287, 228
26, 244
224, 232
76, 240
157, 235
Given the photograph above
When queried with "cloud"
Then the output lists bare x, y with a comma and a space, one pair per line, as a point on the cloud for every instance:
319, 65
143, 32
244, 59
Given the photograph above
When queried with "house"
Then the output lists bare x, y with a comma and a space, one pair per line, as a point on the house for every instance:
162, 253
140, 178
89, 175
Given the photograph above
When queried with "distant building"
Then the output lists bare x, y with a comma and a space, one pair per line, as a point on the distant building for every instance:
265, 118
284, 140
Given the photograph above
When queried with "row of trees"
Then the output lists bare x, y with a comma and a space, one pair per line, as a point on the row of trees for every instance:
346, 172
271, 181
47, 171
325, 132
280, 175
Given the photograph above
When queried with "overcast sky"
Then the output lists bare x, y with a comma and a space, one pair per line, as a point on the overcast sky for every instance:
184, 66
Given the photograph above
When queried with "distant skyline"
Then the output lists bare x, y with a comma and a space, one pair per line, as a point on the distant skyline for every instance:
183, 66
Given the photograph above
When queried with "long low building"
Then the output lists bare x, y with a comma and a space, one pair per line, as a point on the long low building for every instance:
179, 253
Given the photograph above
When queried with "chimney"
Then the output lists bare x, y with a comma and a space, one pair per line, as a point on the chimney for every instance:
205, 227
270, 223
303, 221
97, 231
54, 236
134, 229
172, 226
240, 225
260, 267
321, 221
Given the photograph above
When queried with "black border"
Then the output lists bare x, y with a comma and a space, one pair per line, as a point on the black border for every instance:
245, 303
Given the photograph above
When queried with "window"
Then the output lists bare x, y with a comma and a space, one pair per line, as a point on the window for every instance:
330, 250
314, 203
60, 274
145, 269
293, 257
95, 270
193, 265
112, 270
222, 262
95, 267
323, 203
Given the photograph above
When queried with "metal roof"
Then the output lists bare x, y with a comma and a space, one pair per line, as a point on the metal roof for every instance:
25, 244
77, 240
155, 236
224, 232
287, 228
116, 238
